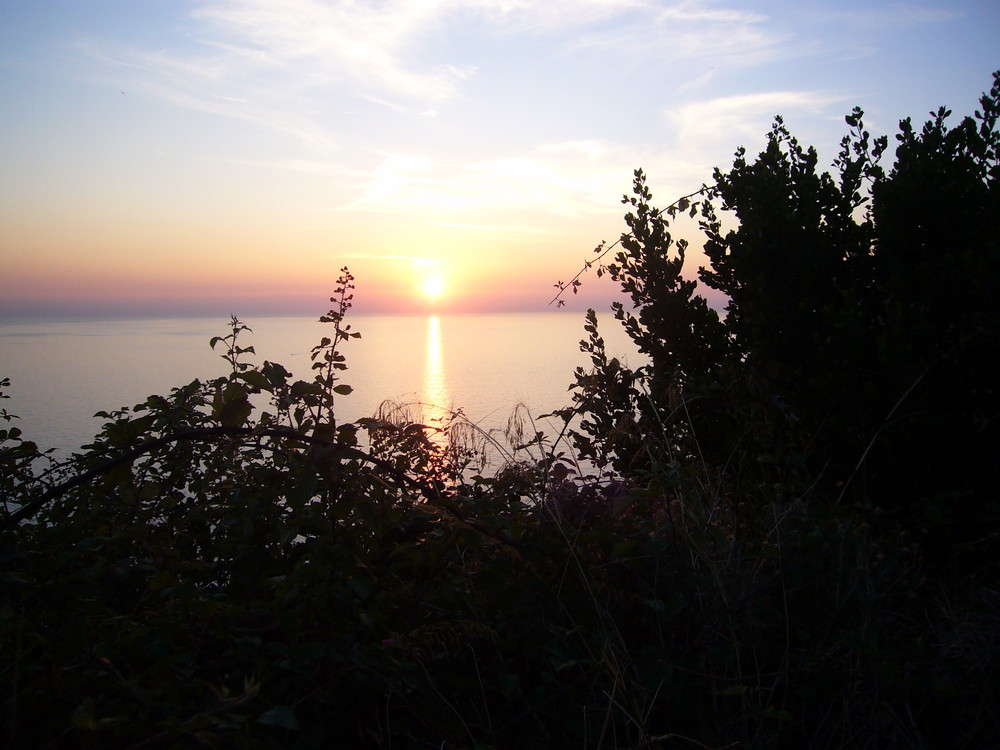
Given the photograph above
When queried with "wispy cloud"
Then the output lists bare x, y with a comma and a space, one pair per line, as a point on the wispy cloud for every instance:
696, 10
266, 58
694, 33
283, 64
700, 125
207, 84
295, 66
411, 260
555, 182
555, 15
893, 16
365, 43
557, 178
302, 166
392, 181
591, 149
515, 228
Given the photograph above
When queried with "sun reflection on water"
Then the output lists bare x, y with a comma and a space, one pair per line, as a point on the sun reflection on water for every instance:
435, 404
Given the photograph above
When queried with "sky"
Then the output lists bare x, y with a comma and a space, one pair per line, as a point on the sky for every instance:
230, 156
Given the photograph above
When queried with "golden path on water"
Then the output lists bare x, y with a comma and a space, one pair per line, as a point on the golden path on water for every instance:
434, 405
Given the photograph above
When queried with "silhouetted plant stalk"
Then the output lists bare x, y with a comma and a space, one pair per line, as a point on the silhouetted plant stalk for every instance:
326, 356
233, 350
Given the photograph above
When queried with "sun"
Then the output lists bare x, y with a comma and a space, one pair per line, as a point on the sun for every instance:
433, 287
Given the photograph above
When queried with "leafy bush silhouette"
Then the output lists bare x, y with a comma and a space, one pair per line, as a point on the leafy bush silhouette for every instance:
855, 352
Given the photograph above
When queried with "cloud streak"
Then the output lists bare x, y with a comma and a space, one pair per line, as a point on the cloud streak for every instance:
562, 178
341, 41
700, 125
313, 70
515, 228
266, 58
889, 17
411, 260
693, 34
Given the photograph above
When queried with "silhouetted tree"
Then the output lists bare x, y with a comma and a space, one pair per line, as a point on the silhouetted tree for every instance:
854, 355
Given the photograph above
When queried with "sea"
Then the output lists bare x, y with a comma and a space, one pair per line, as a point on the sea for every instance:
486, 365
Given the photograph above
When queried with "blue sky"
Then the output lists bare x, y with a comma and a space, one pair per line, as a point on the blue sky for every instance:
231, 155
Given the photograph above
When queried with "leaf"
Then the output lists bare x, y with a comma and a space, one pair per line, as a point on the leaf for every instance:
732, 690
127, 432
347, 435
342, 389
279, 716
257, 379
83, 716
324, 432
620, 504
275, 373
234, 412
301, 388
657, 605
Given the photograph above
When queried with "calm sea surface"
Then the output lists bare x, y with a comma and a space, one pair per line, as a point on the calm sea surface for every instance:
64, 371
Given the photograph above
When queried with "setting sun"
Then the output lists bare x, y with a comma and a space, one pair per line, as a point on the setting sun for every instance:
433, 287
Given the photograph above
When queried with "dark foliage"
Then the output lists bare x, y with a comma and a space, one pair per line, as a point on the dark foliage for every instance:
856, 353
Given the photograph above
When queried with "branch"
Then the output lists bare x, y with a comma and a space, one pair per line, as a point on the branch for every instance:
574, 282
672, 209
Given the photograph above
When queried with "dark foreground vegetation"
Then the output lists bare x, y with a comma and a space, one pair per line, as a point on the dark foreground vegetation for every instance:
781, 532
